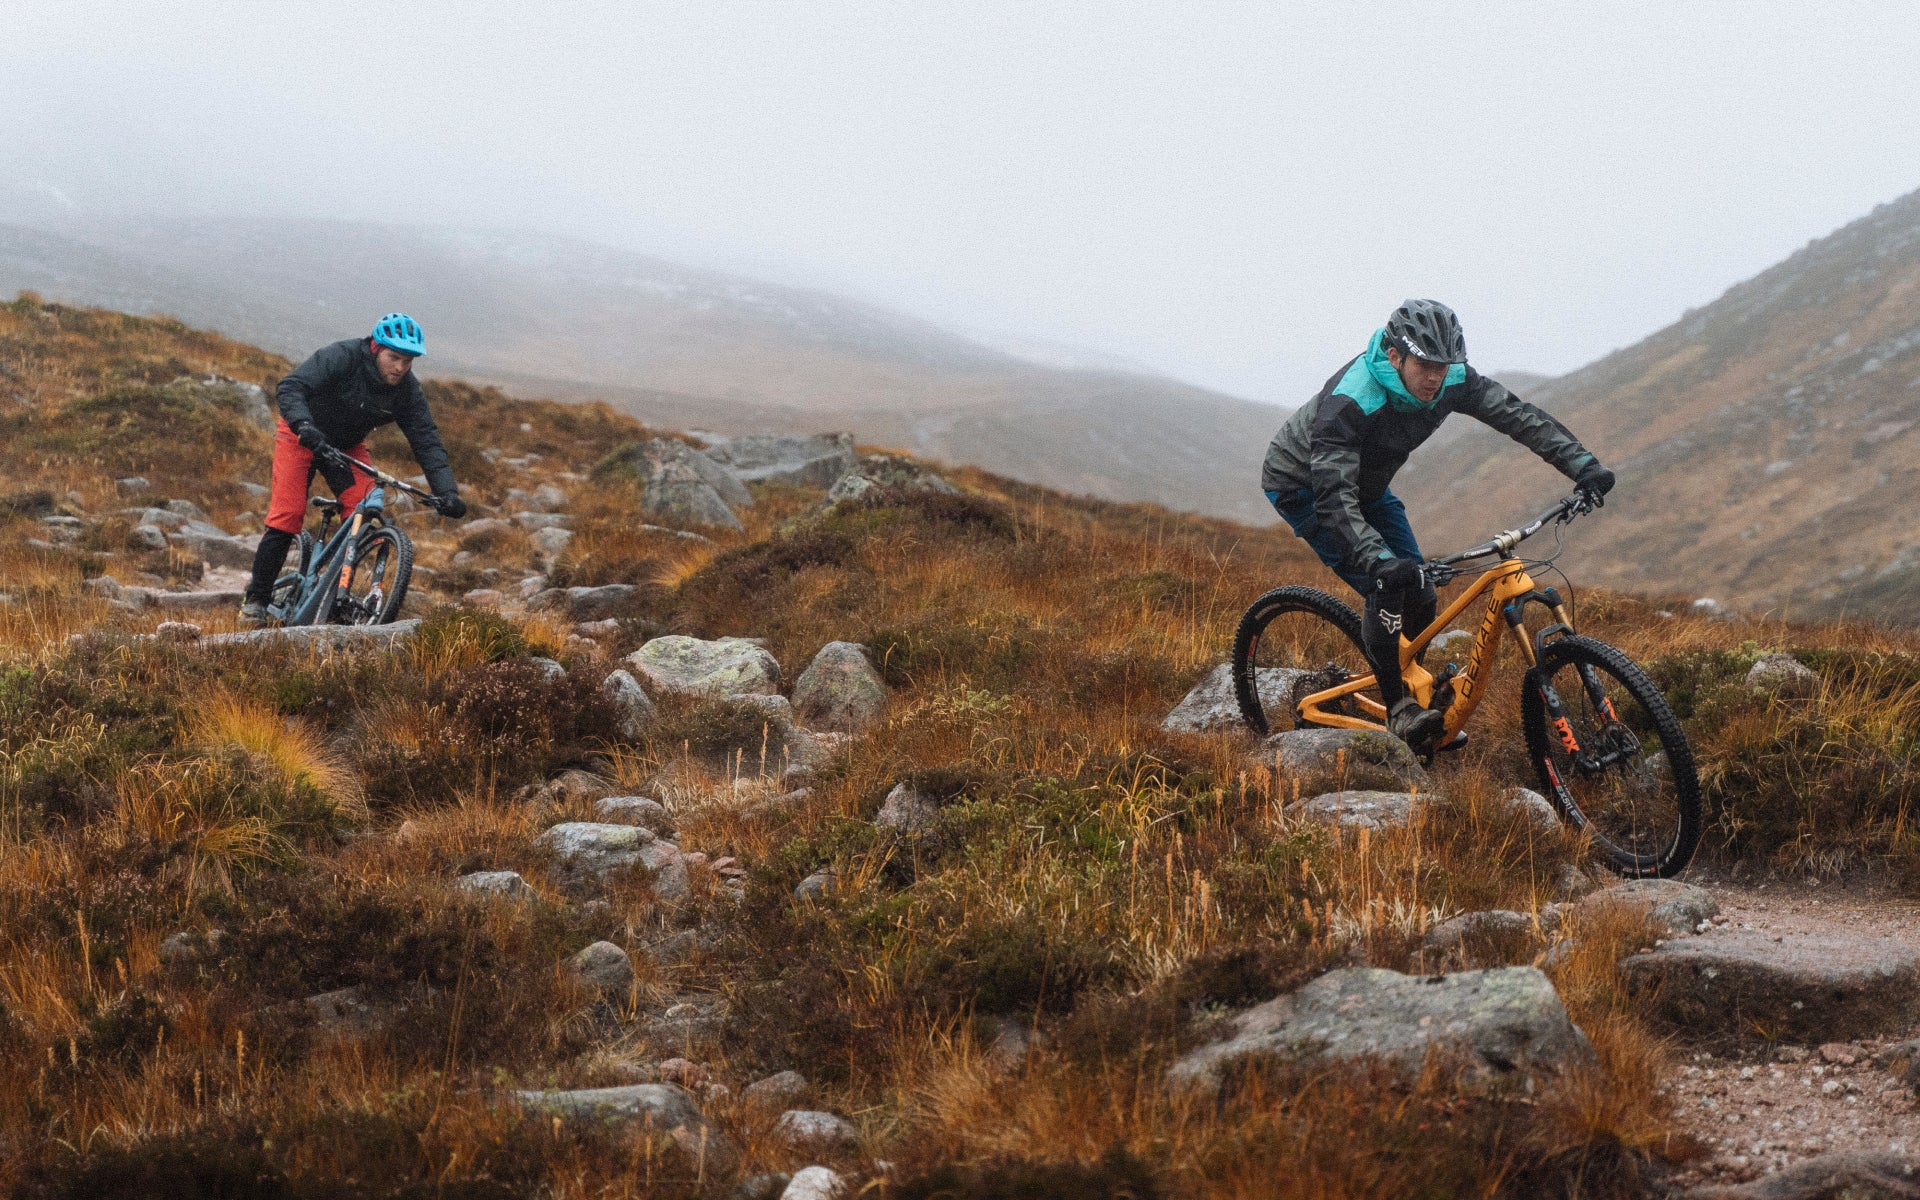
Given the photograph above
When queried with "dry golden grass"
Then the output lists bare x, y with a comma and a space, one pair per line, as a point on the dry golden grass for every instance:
1096, 881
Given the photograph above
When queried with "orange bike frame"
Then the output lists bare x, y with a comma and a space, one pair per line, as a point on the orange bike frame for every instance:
1506, 581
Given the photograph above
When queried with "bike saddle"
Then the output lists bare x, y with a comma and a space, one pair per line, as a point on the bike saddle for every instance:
328, 506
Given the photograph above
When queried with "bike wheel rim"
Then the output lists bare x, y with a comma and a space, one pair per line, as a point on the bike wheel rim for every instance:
1632, 807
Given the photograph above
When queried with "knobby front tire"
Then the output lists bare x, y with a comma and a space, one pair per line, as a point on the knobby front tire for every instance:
1301, 630
382, 569
1644, 807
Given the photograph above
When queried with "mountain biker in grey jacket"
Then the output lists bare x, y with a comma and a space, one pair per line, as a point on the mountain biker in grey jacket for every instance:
1329, 468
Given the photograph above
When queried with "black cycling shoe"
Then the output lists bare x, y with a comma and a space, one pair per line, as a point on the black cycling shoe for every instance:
1415, 725
254, 613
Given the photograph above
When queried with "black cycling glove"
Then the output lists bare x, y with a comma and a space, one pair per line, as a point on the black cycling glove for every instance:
1594, 478
310, 435
1395, 574
450, 505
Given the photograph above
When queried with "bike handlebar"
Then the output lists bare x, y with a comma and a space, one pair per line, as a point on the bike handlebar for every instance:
1503, 544
339, 458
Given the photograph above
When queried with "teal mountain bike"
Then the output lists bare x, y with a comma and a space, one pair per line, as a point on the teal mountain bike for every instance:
355, 569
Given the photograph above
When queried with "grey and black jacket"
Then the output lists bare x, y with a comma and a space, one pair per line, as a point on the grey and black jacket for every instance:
1346, 444
341, 392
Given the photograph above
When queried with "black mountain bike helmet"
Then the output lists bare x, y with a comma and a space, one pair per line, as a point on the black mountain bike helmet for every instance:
1427, 329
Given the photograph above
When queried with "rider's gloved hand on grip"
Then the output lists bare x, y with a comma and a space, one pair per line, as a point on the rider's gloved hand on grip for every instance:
1594, 479
310, 435
1395, 574
450, 505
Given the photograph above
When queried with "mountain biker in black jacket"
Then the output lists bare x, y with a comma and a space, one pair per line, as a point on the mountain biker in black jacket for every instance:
1328, 469
336, 398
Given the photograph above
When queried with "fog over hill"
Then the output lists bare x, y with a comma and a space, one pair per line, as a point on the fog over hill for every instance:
1766, 443
672, 345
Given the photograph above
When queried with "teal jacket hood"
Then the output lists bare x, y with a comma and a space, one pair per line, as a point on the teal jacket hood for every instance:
1371, 382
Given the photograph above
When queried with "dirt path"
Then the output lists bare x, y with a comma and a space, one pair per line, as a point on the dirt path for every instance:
1763, 1107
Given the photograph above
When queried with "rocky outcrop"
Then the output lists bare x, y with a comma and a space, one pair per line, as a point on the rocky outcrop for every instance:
1678, 908
1501, 1023
1782, 675
718, 668
682, 484
1316, 761
587, 603
321, 637
1212, 708
213, 545
840, 691
634, 810
816, 460
1358, 810
664, 1107
587, 851
630, 700
885, 472
1742, 983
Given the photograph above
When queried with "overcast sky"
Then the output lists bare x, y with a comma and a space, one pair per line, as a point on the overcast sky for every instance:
1232, 193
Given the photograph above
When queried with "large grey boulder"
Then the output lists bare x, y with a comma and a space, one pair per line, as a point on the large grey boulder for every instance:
694, 666
1495, 935
815, 1183
213, 545
1782, 675
586, 603
682, 484
1502, 1022
1676, 907
816, 1134
1797, 987
634, 810
888, 472
1374, 811
1211, 706
1333, 760
1847, 1175
840, 690
907, 811
663, 1107
630, 700
604, 967
776, 1093
814, 460
322, 637
587, 851
505, 884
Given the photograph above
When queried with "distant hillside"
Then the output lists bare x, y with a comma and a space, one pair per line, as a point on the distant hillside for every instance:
1766, 443
671, 345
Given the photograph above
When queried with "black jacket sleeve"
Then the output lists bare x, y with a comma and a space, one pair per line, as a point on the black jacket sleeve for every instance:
1531, 426
325, 370
415, 420
1335, 464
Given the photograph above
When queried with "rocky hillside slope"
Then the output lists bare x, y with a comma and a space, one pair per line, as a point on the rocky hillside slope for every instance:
1765, 443
784, 819
670, 345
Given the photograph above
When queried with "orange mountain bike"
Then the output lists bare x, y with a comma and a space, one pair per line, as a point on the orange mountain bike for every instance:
1607, 747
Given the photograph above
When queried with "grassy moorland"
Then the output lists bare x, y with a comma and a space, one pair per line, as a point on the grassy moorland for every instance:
1097, 883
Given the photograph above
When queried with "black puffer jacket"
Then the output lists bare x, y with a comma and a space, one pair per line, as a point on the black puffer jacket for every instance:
340, 391
1347, 451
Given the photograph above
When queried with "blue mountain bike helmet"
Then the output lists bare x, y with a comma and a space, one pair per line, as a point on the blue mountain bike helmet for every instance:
398, 331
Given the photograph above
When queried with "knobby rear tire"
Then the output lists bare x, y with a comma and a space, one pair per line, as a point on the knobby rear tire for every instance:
1262, 613
1548, 755
370, 546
